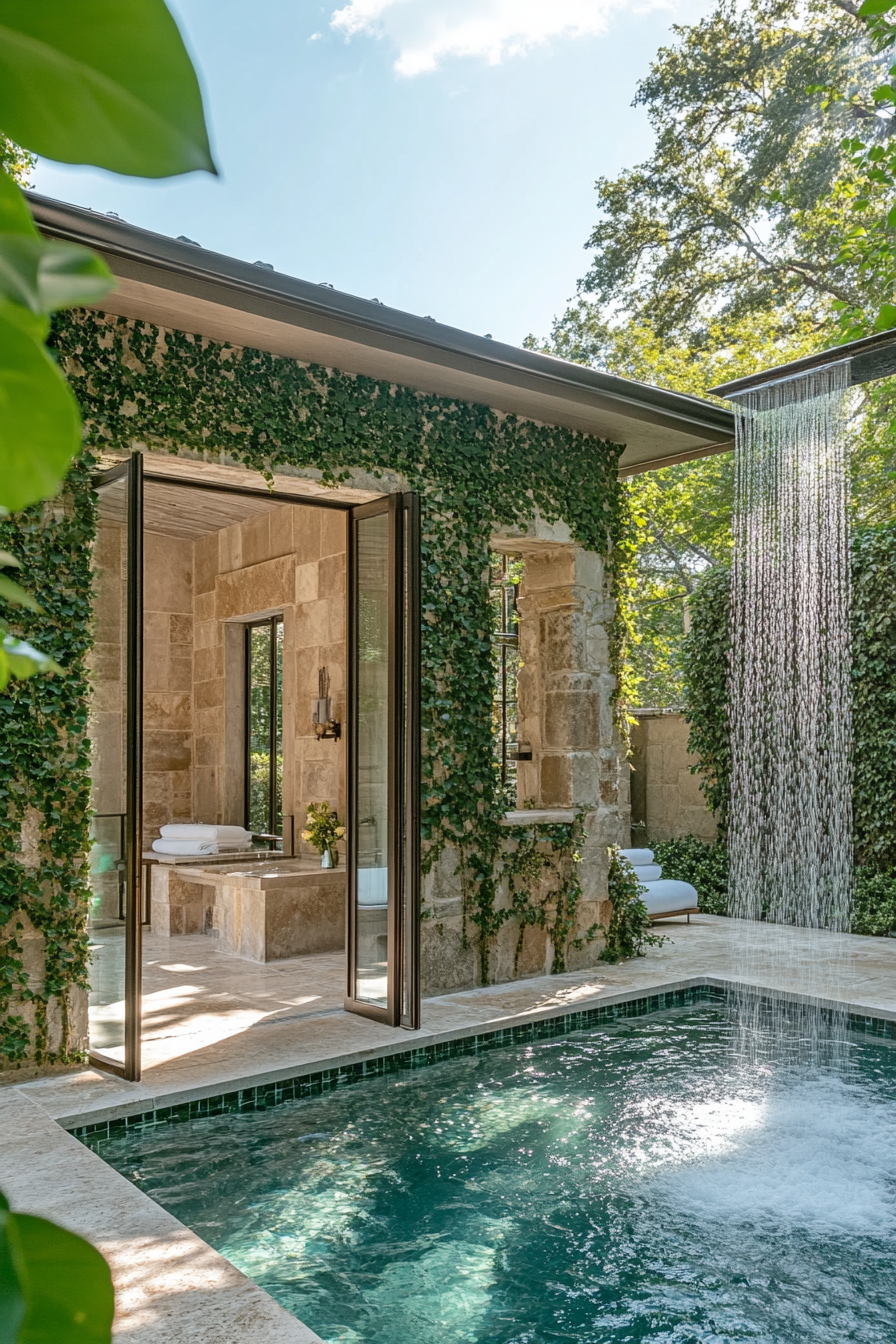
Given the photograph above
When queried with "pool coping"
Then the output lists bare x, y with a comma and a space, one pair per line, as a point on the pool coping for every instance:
273, 1087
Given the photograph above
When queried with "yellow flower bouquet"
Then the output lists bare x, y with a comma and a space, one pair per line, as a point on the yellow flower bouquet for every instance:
324, 830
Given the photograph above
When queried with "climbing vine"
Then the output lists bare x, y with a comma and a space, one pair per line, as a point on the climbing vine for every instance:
44, 785
143, 387
629, 930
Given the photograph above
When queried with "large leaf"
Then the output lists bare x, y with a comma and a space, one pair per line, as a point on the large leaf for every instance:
21, 660
68, 1287
12, 1294
872, 7
13, 592
40, 275
40, 428
105, 82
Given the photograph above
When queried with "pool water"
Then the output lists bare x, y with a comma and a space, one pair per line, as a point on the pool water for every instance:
630, 1182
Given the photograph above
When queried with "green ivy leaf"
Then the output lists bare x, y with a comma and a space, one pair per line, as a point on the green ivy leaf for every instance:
872, 7
40, 428
105, 82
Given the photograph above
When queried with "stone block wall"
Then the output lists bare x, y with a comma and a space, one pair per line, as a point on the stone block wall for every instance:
566, 717
198, 596
666, 801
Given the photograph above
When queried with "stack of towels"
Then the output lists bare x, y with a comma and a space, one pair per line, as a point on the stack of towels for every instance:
187, 839
662, 897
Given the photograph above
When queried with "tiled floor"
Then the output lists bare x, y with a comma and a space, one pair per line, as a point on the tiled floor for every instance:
215, 1023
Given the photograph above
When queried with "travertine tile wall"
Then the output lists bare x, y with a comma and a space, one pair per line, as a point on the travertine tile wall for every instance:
566, 715
197, 597
167, 682
107, 669
290, 561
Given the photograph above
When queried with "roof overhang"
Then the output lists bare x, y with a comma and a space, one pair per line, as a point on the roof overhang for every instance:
870, 358
178, 285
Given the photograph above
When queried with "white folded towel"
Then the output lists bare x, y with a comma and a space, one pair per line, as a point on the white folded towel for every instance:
648, 872
187, 847
637, 857
191, 831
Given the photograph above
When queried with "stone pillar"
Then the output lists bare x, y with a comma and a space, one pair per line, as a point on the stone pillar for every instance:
566, 711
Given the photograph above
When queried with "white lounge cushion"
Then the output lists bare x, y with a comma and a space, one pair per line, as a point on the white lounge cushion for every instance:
665, 896
637, 857
647, 872
197, 831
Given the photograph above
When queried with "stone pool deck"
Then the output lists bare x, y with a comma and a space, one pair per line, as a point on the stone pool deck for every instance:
217, 1024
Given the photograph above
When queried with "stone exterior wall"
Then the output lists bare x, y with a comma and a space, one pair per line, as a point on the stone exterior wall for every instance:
666, 801
566, 716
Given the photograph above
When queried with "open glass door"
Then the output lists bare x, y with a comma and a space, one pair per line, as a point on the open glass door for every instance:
114, 905
384, 761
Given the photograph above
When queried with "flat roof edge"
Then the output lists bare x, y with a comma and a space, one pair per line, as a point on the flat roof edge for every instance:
870, 357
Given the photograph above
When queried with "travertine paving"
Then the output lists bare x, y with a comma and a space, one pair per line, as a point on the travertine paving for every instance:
216, 1023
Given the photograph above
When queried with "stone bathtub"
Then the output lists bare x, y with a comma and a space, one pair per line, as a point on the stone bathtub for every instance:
261, 909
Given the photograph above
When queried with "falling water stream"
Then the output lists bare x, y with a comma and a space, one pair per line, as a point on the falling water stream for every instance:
790, 836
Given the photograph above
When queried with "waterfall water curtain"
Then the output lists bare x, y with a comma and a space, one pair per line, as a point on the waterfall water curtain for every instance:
790, 835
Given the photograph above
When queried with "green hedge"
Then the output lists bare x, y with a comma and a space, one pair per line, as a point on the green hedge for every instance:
690, 859
874, 719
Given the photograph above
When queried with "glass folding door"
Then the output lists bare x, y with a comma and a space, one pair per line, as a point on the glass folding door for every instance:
384, 784
114, 907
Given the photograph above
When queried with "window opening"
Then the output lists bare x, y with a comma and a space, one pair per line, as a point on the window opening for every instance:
264, 727
506, 573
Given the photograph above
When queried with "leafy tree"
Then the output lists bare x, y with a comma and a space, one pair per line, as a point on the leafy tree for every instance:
867, 242
714, 259
733, 214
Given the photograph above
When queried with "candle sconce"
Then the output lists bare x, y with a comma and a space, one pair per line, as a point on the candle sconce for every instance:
322, 713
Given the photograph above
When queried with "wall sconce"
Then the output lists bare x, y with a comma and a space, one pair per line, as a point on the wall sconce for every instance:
322, 712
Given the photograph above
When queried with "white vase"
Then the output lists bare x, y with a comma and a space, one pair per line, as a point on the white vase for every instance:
326, 860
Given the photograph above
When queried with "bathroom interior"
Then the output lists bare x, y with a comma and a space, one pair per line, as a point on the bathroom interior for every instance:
243, 648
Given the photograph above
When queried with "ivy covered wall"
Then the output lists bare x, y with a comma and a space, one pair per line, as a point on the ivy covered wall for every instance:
476, 471
873, 633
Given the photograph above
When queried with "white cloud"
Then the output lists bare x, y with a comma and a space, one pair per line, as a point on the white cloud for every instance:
426, 31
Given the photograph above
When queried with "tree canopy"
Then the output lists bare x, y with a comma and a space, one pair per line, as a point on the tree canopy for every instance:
733, 249
734, 212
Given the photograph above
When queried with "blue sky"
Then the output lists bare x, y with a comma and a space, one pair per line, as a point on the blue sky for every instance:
438, 155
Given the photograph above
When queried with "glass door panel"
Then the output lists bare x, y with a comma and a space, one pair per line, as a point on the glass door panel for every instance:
372, 813
383, 913
113, 915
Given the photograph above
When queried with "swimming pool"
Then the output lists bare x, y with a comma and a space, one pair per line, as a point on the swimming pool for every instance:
634, 1181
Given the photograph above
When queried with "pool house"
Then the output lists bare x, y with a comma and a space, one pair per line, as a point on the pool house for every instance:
338, 554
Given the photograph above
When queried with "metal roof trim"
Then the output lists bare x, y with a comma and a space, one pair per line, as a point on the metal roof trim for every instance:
118, 238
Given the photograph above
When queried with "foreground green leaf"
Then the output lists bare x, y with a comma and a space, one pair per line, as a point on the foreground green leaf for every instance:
40, 428
17, 595
105, 82
68, 1287
12, 1295
20, 659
